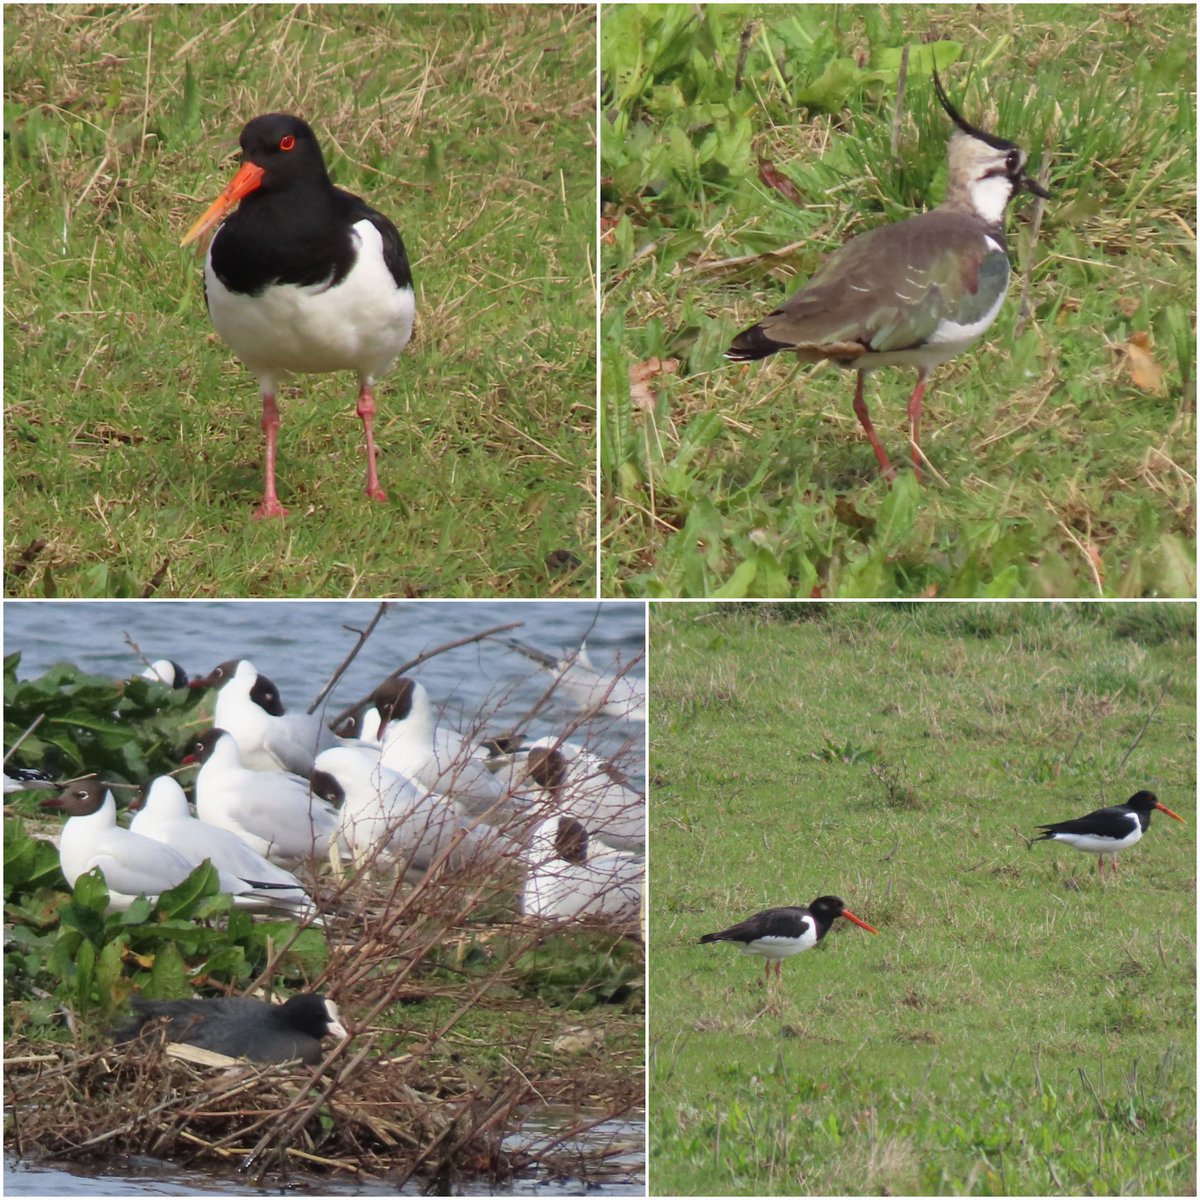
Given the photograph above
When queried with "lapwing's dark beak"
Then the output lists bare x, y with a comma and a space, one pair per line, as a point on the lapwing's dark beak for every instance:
1031, 185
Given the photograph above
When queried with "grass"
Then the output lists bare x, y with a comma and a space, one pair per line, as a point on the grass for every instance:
1017, 1027
133, 452
1055, 471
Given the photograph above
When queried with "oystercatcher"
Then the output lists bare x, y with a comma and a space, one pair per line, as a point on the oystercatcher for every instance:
303, 277
778, 933
1108, 830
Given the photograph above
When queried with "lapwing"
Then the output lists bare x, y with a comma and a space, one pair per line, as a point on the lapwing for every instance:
911, 294
1108, 830
778, 933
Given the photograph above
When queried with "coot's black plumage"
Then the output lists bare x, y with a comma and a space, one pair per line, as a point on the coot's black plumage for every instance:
242, 1027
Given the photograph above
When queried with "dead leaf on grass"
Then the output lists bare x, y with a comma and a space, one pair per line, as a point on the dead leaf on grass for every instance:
640, 376
773, 178
1145, 373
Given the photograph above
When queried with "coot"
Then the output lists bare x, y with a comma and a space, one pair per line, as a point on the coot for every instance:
244, 1028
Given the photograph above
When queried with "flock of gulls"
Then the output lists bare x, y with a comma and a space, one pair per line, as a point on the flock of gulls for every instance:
277, 795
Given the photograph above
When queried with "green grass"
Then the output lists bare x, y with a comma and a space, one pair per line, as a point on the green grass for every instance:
1016, 1027
133, 452
1053, 474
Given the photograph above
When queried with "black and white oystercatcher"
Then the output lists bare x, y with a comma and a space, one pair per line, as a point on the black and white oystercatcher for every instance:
304, 277
1108, 830
778, 933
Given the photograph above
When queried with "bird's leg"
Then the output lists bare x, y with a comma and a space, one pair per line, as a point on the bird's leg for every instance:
860, 410
914, 419
366, 411
270, 506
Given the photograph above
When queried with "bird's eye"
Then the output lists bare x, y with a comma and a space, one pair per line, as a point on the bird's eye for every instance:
1013, 161
287, 142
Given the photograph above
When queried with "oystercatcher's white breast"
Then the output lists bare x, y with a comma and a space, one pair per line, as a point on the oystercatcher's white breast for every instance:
361, 324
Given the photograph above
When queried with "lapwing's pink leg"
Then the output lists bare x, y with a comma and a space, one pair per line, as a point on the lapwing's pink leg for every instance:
270, 506
864, 419
366, 411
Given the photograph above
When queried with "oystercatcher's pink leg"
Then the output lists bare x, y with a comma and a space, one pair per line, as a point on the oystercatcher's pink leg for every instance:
270, 506
366, 410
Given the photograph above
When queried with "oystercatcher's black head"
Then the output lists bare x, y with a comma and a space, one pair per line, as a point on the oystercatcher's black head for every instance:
286, 149
1146, 802
827, 909
279, 152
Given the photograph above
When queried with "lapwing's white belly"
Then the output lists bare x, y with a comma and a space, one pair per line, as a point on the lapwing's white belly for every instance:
361, 325
955, 337
1094, 844
775, 948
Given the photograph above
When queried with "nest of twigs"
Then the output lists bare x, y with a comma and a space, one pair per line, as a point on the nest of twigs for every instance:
396, 1101
367, 1117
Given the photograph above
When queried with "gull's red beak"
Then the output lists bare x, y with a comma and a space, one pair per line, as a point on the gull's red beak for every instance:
249, 176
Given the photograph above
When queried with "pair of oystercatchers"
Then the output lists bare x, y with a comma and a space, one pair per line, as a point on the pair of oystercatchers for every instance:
303, 278
778, 933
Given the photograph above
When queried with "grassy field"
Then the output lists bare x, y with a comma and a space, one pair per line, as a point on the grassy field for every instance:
738, 149
133, 452
1017, 1027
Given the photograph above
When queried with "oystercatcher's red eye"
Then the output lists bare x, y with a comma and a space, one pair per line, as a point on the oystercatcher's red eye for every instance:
286, 142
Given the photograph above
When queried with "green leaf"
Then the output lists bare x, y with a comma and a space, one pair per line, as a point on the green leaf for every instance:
841, 78
168, 975
182, 899
898, 513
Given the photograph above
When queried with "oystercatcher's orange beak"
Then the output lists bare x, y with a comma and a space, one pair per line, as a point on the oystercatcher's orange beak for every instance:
862, 924
1164, 808
249, 176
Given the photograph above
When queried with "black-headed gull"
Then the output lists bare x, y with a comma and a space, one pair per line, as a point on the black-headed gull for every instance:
439, 759
166, 670
269, 738
132, 865
590, 689
578, 784
241, 1027
565, 882
165, 817
274, 812
27, 779
387, 819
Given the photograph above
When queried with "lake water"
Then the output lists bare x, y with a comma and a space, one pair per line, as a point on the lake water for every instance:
147, 1177
300, 643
